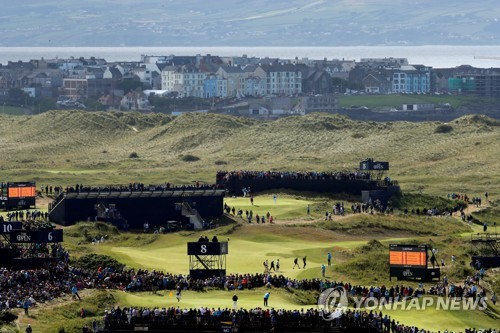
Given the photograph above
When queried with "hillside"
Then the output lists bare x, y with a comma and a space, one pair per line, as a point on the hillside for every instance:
65, 147
249, 23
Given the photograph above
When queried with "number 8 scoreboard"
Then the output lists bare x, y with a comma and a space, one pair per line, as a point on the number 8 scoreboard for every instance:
207, 259
206, 248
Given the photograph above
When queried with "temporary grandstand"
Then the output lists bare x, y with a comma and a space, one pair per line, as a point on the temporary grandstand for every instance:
136, 207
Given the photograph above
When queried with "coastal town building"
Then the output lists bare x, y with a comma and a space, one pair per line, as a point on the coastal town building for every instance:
236, 77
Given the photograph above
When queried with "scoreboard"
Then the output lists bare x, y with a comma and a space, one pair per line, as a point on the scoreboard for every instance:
370, 164
21, 190
408, 256
19, 194
36, 236
18, 238
410, 261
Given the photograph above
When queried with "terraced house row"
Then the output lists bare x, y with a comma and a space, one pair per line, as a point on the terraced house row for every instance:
211, 76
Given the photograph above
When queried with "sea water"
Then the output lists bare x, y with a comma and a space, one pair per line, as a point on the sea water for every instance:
437, 56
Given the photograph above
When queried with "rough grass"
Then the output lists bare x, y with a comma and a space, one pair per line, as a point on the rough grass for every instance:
381, 224
411, 201
489, 215
91, 230
436, 163
369, 264
65, 313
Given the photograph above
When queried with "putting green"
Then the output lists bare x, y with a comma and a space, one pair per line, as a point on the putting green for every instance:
213, 299
429, 318
284, 208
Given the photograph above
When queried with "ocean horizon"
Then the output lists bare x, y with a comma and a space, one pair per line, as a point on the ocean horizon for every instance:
437, 56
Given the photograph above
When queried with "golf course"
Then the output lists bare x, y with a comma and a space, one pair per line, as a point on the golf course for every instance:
429, 161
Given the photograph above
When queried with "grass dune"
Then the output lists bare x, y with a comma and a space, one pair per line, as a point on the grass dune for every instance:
421, 157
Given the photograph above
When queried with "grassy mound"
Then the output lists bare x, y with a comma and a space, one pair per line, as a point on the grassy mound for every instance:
93, 261
489, 215
478, 119
443, 129
369, 264
312, 142
65, 315
409, 225
7, 317
91, 230
414, 200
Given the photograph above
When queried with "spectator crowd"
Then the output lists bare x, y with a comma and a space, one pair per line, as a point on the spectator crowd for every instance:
138, 187
224, 176
41, 285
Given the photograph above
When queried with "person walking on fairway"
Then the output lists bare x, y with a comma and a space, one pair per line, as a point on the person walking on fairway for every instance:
329, 256
296, 263
304, 260
277, 265
323, 270
235, 302
266, 298
178, 294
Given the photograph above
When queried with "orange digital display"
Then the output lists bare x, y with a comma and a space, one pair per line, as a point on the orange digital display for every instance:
27, 191
22, 192
396, 258
407, 258
13, 192
415, 258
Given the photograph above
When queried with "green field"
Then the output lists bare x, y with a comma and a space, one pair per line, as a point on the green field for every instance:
358, 257
249, 245
286, 207
12, 110
375, 101
69, 147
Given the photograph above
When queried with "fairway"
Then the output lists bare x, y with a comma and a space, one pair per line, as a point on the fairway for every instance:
247, 252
